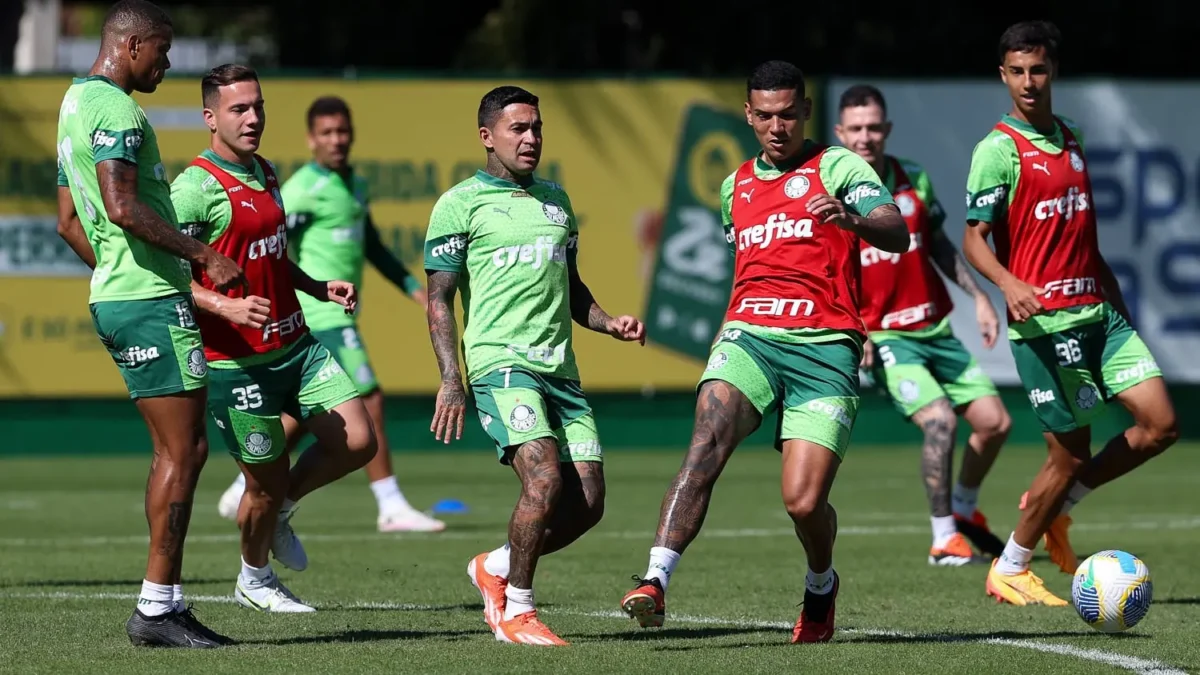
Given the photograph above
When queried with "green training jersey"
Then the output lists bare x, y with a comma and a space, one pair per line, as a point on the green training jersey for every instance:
97, 122
991, 185
512, 248
332, 237
846, 176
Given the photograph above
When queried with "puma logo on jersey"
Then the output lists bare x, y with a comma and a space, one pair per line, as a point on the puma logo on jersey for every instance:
274, 245
1044, 167
747, 195
778, 226
249, 205
1067, 205
504, 212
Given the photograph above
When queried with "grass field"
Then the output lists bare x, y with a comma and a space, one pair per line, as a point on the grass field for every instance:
72, 548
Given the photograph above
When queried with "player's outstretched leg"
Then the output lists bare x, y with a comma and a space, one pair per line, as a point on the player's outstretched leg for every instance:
808, 473
939, 424
345, 443
395, 513
580, 508
1010, 579
1155, 428
990, 425
257, 585
724, 418
176, 425
536, 464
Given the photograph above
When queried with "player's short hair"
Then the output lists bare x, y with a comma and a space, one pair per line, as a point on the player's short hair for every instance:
495, 101
326, 106
1028, 36
223, 76
861, 95
775, 76
134, 17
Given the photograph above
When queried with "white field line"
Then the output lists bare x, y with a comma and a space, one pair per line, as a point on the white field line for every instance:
452, 535
1130, 663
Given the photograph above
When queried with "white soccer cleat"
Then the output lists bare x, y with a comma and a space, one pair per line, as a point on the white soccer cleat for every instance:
286, 546
271, 596
230, 500
409, 520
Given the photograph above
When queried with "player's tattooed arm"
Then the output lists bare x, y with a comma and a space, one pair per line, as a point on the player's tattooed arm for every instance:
450, 407
119, 190
71, 230
946, 256
584, 309
884, 228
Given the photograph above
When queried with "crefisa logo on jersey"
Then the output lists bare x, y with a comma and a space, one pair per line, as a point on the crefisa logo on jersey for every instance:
796, 187
554, 213
907, 205
1076, 160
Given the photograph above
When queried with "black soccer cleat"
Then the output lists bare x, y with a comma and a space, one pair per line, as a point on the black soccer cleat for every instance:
190, 619
168, 630
976, 530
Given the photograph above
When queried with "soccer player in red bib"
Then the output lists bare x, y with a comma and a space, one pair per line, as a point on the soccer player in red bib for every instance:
1071, 336
792, 338
912, 352
268, 374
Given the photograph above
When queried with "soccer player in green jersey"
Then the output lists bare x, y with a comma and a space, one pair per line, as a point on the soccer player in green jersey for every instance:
509, 242
332, 236
1070, 332
266, 376
115, 212
929, 375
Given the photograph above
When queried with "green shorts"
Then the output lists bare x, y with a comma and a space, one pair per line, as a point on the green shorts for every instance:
248, 396
347, 347
813, 384
919, 372
154, 342
1069, 375
517, 406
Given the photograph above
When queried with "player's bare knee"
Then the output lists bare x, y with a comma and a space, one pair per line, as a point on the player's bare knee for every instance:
361, 445
805, 503
993, 429
593, 499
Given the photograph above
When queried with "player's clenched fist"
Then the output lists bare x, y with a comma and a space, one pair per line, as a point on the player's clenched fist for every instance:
627, 329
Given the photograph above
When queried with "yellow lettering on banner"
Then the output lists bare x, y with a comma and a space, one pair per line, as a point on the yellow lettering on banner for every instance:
611, 143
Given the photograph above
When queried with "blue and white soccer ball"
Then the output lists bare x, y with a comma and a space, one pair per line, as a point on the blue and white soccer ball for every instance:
1112, 591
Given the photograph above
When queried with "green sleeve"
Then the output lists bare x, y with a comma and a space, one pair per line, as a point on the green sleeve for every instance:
196, 206
924, 189
990, 178
448, 234
727, 210
117, 126
849, 178
298, 206
388, 265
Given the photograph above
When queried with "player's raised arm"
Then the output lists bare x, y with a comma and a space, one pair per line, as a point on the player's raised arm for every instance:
389, 265
70, 229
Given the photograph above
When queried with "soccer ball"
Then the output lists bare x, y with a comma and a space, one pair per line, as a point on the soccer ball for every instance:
1112, 591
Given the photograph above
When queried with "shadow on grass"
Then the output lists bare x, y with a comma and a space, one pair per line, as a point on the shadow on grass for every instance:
402, 607
1177, 601
352, 636
135, 584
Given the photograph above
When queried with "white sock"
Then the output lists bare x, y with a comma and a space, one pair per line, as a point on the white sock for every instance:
662, 564
287, 506
1015, 558
943, 529
520, 600
1074, 496
156, 599
819, 583
256, 576
388, 495
963, 501
177, 598
496, 563
240, 481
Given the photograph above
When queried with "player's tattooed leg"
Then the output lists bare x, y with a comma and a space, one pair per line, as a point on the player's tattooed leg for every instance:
724, 418
580, 505
536, 464
939, 424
